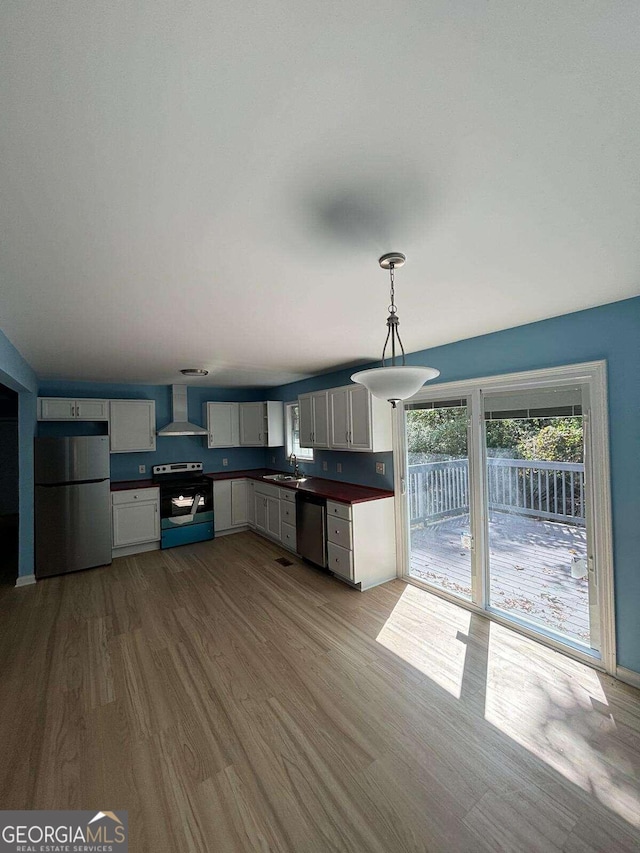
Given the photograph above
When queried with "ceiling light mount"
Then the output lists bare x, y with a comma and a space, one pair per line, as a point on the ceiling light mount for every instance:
392, 259
194, 371
394, 382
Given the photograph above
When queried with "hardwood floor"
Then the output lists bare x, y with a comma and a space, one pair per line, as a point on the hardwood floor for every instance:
234, 704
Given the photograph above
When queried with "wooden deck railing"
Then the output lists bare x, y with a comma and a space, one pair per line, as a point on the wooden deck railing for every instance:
553, 490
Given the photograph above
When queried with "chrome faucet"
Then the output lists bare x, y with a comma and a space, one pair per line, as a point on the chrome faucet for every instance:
293, 460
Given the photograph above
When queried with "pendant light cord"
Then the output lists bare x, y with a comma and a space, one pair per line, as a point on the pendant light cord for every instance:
392, 326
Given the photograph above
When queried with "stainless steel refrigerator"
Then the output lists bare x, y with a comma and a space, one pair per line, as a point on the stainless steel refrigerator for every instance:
72, 503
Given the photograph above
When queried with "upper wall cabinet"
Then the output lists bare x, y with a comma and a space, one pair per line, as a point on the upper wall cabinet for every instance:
63, 409
314, 419
223, 424
358, 421
261, 424
132, 427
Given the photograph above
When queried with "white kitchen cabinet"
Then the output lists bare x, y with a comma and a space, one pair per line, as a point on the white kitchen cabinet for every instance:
260, 513
238, 503
132, 426
135, 516
273, 518
64, 409
267, 510
229, 505
358, 421
288, 536
262, 424
251, 504
288, 519
314, 419
361, 545
223, 424
339, 418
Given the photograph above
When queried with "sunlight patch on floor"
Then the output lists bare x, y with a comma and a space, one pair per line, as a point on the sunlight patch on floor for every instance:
425, 632
556, 708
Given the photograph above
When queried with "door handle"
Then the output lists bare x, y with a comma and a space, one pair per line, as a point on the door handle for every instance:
403, 486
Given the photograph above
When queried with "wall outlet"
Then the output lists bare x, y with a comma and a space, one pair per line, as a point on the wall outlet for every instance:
339, 467
225, 462
325, 467
142, 469
379, 467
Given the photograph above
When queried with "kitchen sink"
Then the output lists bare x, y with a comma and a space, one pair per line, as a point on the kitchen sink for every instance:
283, 478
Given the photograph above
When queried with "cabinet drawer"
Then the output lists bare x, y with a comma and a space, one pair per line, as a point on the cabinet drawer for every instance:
288, 536
340, 560
130, 495
267, 490
339, 532
288, 513
288, 495
337, 510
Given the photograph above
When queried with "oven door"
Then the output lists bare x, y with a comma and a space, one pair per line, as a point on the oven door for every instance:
185, 504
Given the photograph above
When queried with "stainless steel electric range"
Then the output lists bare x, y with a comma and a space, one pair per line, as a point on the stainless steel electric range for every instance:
186, 503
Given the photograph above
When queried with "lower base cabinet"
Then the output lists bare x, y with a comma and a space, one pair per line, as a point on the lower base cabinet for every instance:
361, 546
361, 543
229, 505
135, 520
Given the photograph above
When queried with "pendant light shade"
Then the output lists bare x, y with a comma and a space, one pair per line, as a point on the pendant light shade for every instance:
395, 382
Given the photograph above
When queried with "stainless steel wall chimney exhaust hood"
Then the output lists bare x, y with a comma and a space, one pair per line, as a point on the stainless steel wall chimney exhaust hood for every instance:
180, 424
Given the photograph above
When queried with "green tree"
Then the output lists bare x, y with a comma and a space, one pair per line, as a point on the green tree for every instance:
558, 440
439, 434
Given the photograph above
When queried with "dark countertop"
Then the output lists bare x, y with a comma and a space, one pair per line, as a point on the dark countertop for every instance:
125, 485
333, 490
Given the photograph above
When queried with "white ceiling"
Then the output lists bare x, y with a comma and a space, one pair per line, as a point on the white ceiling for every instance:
210, 184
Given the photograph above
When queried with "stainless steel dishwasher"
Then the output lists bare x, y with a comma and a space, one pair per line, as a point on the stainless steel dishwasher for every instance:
311, 528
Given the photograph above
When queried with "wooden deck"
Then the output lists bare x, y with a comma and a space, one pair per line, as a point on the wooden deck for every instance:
530, 568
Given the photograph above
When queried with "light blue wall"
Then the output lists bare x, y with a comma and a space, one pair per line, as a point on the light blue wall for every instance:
16, 374
124, 466
610, 332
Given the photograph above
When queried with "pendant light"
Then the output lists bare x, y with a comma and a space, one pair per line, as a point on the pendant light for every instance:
398, 381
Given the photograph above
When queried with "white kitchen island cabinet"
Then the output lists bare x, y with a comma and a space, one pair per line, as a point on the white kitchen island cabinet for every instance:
132, 426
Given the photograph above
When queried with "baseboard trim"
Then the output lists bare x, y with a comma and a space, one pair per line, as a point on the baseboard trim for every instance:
129, 550
629, 676
25, 580
231, 530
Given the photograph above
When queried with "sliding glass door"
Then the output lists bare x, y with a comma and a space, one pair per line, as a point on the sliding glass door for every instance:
498, 509
536, 510
439, 508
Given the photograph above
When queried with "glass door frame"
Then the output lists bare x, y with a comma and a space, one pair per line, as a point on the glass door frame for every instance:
592, 374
